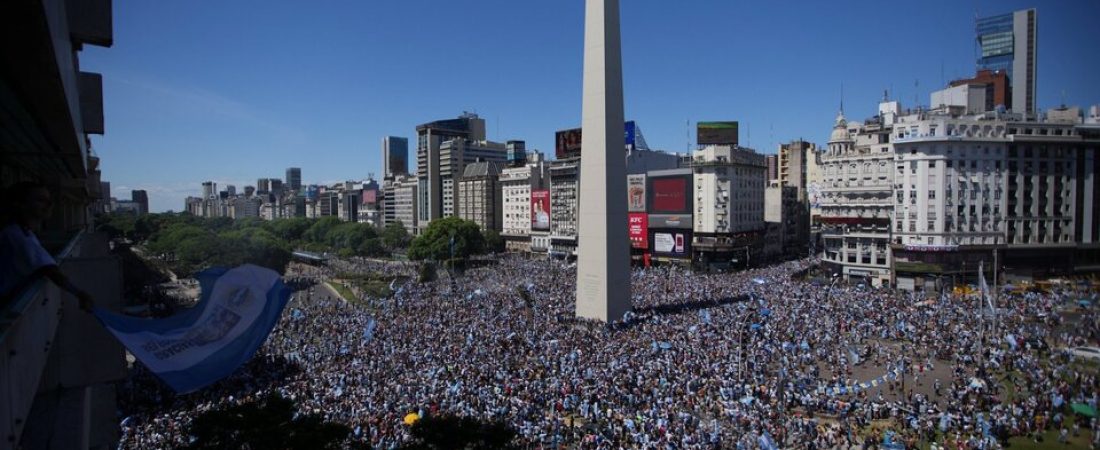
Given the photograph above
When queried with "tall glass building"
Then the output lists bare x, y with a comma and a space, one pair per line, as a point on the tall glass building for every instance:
1008, 43
395, 156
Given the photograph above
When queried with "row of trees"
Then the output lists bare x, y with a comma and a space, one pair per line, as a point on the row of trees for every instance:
189, 243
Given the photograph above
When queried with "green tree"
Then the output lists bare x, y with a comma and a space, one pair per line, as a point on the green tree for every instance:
394, 236
465, 433
268, 423
373, 248
493, 242
318, 233
435, 242
291, 229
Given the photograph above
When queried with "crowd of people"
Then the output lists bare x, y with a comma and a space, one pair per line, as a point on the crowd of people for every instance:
764, 358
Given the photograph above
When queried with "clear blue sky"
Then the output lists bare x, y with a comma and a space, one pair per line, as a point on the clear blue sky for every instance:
235, 91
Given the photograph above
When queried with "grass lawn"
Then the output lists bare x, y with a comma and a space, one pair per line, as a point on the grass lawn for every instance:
342, 291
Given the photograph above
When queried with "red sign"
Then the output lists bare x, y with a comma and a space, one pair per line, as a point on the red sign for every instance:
669, 195
540, 210
638, 230
370, 196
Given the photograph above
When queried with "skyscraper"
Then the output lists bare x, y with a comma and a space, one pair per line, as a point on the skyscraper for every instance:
1009, 43
294, 179
395, 156
142, 199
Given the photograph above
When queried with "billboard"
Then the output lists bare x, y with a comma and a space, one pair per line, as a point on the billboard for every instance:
716, 133
567, 143
638, 230
635, 193
674, 244
670, 221
669, 194
540, 210
370, 196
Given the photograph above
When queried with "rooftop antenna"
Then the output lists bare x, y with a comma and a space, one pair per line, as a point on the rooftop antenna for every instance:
916, 89
842, 98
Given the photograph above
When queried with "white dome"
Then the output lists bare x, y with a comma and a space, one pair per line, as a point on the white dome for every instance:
840, 130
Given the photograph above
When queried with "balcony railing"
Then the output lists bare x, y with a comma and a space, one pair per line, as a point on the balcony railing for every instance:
48, 346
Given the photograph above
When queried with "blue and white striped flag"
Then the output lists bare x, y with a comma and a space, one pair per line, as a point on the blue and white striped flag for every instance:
195, 348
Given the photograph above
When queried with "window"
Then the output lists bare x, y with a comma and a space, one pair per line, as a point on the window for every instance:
931, 195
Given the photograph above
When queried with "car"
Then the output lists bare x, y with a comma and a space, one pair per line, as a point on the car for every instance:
1090, 353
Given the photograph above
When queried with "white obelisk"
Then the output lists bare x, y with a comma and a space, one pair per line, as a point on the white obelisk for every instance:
603, 260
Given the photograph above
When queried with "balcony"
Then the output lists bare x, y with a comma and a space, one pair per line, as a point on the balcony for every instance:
58, 366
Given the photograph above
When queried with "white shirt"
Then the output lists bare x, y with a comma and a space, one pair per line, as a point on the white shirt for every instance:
20, 255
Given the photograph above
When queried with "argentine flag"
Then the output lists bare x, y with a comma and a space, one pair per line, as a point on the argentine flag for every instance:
190, 350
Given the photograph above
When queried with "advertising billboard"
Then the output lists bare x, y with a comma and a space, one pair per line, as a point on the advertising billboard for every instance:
540, 210
635, 193
669, 194
567, 143
716, 133
674, 244
370, 196
638, 230
670, 221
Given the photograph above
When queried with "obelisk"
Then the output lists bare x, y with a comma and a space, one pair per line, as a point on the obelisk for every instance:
603, 259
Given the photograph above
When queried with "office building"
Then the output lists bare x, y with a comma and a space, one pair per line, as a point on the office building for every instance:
141, 198
564, 193
729, 183
350, 200
263, 186
294, 179
1008, 43
784, 217
773, 167
444, 148
454, 156
395, 156
992, 187
793, 161
516, 187
405, 201
479, 197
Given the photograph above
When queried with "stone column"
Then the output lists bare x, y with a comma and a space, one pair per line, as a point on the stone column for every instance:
603, 261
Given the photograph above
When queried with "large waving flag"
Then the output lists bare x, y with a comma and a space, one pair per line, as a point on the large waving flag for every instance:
237, 311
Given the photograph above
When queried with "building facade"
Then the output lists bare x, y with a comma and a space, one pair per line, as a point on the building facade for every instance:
294, 179
395, 156
516, 186
432, 176
857, 197
729, 183
1018, 195
479, 196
